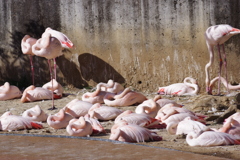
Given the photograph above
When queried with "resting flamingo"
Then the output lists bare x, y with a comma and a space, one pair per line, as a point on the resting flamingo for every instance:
125, 132
179, 89
162, 101
77, 108
9, 122
59, 120
96, 125
186, 126
210, 138
216, 36
231, 126
149, 107
32, 93
101, 90
35, 114
79, 127
26, 46
8, 91
170, 113
125, 98
103, 113
55, 87
142, 120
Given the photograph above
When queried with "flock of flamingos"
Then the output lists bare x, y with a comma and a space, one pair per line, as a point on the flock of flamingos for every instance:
83, 117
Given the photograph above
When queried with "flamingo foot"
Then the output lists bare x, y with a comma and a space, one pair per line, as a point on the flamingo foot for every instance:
36, 125
53, 108
209, 91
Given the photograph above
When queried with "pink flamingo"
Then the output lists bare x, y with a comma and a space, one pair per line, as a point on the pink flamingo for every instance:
149, 107
125, 98
64, 41
55, 87
32, 93
162, 102
125, 132
59, 120
96, 125
77, 108
79, 127
9, 122
216, 36
112, 87
142, 120
103, 113
224, 82
8, 91
50, 46
236, 117
231, 126
178, 89
35, 114
26, 46
101, 90
210, 138
180, 128
170, 113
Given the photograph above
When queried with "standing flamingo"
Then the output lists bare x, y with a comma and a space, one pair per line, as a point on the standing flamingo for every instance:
216, 36
50, 46
26, 46
63, 39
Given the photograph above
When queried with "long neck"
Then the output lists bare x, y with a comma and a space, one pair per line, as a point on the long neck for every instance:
224, 82
211, 53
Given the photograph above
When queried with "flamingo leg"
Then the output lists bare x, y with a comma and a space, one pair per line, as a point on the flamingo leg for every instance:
55, 68
225, 65
50, 69
32, 68
220, 69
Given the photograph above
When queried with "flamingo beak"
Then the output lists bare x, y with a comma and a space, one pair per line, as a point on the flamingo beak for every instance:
235, 30
161, 91
70, 45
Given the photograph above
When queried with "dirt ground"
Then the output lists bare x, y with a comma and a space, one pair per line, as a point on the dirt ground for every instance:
217, 108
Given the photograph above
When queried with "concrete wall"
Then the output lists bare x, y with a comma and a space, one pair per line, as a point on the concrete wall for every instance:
141, 43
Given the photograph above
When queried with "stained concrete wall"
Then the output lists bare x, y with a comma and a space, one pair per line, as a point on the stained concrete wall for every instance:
141, 43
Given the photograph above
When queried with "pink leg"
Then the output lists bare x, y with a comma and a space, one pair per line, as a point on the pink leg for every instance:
50, 68
220, 69
32, 68
55, 68
225, 65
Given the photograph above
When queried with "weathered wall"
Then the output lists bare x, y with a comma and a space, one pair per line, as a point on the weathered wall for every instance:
142, 43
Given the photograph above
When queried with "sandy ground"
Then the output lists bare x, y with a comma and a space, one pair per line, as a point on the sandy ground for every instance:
215, 107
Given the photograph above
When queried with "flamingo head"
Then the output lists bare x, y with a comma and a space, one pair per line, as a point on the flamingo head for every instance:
161, 91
